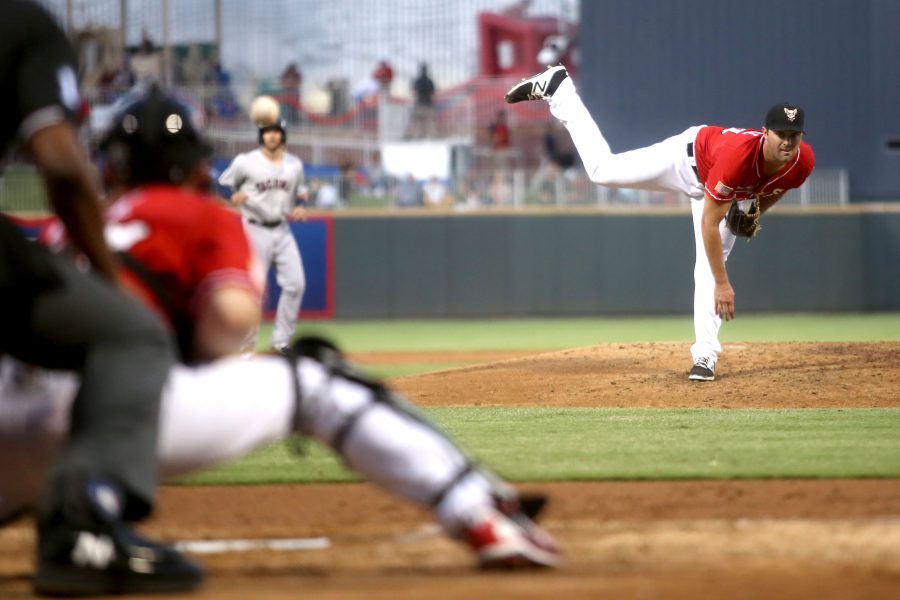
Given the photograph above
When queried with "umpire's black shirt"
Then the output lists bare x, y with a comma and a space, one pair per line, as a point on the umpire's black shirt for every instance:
39, 89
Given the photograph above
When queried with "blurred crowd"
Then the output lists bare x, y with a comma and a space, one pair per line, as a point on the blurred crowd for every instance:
506, 164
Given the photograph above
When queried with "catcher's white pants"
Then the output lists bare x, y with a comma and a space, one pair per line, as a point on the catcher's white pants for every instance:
664, 166
222, 411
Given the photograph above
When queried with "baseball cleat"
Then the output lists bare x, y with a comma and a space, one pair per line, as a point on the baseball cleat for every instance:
703, 370
537, 87
503, 537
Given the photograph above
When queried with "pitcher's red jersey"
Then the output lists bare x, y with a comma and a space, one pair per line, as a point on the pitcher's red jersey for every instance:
730, 164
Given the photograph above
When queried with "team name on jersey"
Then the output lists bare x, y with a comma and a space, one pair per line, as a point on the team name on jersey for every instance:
271, 184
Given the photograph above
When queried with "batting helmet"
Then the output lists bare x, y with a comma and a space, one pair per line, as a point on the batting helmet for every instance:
280, 125
154, 140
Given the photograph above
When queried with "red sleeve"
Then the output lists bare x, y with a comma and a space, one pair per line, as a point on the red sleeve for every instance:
222, 258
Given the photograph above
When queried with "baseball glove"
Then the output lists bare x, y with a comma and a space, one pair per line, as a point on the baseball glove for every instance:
743, 224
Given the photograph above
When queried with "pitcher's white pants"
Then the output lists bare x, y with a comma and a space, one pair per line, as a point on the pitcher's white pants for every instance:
222, 411
706, 321
664, 166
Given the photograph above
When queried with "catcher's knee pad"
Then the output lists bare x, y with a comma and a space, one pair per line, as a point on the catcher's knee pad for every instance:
336, 367
332, 359
319, 349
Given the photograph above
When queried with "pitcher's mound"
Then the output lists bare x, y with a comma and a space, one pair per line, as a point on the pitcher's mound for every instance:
750, 375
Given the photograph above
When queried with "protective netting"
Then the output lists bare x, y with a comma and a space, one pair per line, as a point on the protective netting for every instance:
333, 44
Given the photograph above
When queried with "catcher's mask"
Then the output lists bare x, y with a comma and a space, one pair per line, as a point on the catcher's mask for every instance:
154, 140
280, 125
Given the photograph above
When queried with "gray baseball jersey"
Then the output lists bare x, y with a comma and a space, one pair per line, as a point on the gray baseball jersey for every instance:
271, 187
271, 190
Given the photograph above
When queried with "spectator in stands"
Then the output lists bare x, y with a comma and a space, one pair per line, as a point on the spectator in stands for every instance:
223, 103
125, 77
409, 193
501, 189
339, 92
422, 123
378, 178
291, 80
500, 143
434, 193
147, 61
467, 192
325, 194
384, 75
116, 81
346, 178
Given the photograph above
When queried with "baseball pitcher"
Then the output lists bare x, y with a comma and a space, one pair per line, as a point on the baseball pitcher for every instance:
267, 184
718, 168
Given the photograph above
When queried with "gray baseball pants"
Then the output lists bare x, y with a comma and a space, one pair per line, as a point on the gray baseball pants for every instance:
61, 318
276, 246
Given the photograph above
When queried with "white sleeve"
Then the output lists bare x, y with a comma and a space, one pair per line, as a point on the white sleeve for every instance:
234, 176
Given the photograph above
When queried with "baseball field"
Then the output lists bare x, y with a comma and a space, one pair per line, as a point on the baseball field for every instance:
779, 480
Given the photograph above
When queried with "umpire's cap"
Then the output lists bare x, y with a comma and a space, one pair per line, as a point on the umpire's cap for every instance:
154, 139
280, 125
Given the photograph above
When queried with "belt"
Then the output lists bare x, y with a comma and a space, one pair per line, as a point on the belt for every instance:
269, 224
690, 153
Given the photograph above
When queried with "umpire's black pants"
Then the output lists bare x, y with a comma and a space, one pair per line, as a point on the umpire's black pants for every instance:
54, 316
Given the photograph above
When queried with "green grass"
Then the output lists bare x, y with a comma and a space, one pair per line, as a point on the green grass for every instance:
558, 333
535, 444
541, 335
402, 370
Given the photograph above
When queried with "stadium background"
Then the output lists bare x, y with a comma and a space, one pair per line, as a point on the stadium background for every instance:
513, 217
779, 481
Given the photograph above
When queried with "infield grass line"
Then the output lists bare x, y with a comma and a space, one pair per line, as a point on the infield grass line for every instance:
560, 444
559, 333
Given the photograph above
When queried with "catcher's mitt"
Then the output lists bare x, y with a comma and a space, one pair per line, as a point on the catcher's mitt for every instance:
743, 224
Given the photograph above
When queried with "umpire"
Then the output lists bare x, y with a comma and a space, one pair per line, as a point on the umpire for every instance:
55, 316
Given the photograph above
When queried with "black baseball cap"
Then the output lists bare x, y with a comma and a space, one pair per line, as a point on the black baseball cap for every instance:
785, 117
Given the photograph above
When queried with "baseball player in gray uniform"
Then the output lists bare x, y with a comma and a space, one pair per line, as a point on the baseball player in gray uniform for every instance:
267, 184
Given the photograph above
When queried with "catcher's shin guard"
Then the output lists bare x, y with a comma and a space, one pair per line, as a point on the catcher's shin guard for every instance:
386, 440
378, 433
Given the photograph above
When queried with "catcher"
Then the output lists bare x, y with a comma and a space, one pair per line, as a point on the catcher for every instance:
218, 405
718, 168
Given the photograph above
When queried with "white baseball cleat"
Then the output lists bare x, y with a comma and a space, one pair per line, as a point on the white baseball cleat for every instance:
537, 87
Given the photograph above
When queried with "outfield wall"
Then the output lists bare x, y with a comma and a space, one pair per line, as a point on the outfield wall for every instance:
591, 263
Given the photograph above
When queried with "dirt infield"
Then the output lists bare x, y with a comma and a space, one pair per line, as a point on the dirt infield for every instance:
796, 375
818, 539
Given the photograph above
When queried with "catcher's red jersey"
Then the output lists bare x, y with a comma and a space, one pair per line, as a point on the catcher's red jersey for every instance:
730, 164
185, 244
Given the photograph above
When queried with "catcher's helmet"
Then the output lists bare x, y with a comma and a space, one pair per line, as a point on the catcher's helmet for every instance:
280, 125
153, 139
